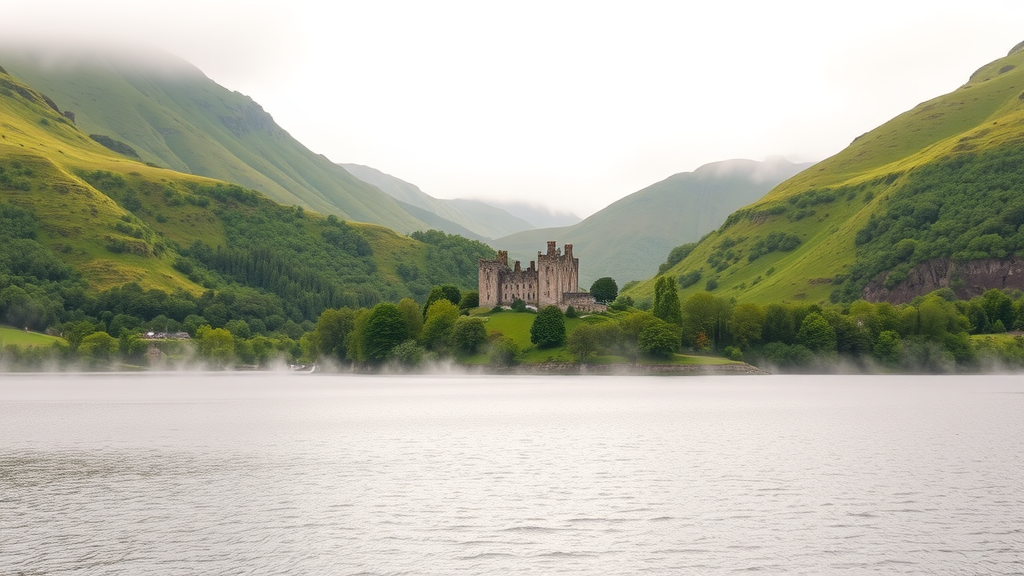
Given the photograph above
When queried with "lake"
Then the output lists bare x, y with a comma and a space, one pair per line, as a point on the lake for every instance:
276, 473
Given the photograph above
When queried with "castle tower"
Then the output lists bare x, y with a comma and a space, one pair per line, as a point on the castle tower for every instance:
550, 280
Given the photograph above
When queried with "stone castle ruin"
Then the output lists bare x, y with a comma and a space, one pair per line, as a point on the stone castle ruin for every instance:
552, 280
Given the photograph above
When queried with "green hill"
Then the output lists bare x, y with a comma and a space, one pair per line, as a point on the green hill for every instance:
930, 199
172, 115
629, 238
482, 221
79, 222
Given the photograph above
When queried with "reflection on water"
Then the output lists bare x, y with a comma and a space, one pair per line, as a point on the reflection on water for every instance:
283, 474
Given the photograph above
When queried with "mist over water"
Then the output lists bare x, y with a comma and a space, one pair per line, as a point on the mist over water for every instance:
340, 474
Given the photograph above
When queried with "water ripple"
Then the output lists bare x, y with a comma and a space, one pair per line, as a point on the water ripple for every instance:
262, 475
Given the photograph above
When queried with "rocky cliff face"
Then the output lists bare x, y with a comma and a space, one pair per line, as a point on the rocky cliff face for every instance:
967, 279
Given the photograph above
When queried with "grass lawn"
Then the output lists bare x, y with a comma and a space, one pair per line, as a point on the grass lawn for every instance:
516, 325
18, 337
681, 359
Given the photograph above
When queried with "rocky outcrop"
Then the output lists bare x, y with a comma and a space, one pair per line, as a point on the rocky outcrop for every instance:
966, 279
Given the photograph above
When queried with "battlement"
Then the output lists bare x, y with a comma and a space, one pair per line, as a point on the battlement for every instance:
553, 279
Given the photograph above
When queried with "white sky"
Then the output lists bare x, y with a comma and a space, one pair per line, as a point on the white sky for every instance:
567, 104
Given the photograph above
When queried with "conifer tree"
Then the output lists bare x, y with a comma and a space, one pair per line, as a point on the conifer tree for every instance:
666, 301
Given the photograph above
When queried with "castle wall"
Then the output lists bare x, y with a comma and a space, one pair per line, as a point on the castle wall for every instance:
544, 283
581, 302
520, 284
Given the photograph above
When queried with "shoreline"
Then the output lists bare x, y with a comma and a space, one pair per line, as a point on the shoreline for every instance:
572, 368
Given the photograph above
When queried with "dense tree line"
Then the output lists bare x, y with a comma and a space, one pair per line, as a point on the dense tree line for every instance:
932, 333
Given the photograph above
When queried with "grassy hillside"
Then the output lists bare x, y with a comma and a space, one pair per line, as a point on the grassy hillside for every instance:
77, 221
479, 219
920, 189
174, 116
628, 239
19, 337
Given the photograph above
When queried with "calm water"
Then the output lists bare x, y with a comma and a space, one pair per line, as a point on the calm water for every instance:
284, 474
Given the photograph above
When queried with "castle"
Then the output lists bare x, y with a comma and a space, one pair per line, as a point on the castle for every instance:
552, 280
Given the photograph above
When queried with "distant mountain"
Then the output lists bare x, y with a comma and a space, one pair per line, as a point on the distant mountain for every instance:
930, 199
172, 115
539, 216
629, 239
481, 219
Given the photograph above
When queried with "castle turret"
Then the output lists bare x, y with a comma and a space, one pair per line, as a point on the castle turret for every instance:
551, 279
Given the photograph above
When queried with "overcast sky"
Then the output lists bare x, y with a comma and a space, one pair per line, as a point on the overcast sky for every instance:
566, 104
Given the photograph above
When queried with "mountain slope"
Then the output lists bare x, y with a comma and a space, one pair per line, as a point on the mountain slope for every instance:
77, 219
483, 220
175, 116
930, 199
629, 238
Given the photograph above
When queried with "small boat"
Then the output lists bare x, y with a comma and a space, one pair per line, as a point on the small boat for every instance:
302, 368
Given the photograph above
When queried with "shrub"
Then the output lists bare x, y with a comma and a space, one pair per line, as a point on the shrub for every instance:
468, 335
505, 352
604, 289
548, 328
733, 353
659, 338
689, 279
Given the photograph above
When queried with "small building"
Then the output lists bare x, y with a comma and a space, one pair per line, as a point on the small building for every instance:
553, 279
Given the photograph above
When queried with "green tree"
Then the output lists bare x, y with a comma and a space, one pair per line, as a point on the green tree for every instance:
74, 332
98, 347
330, 336
816, 334
746, 324
659, 339
408, 354
132, 347
385, 328
354, 342
216, 345
778, 324
437, 329
666, 301
505, 352
413, 318
469, 300
468, 335
629, 331
584, 342
604, 289
436, 293
239, 329
706, 314
998, 306
888, 347
452, 293
548, 328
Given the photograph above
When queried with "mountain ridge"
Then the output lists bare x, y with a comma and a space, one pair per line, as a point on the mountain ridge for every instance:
483, 220
174, 115
629, 238
937, 181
